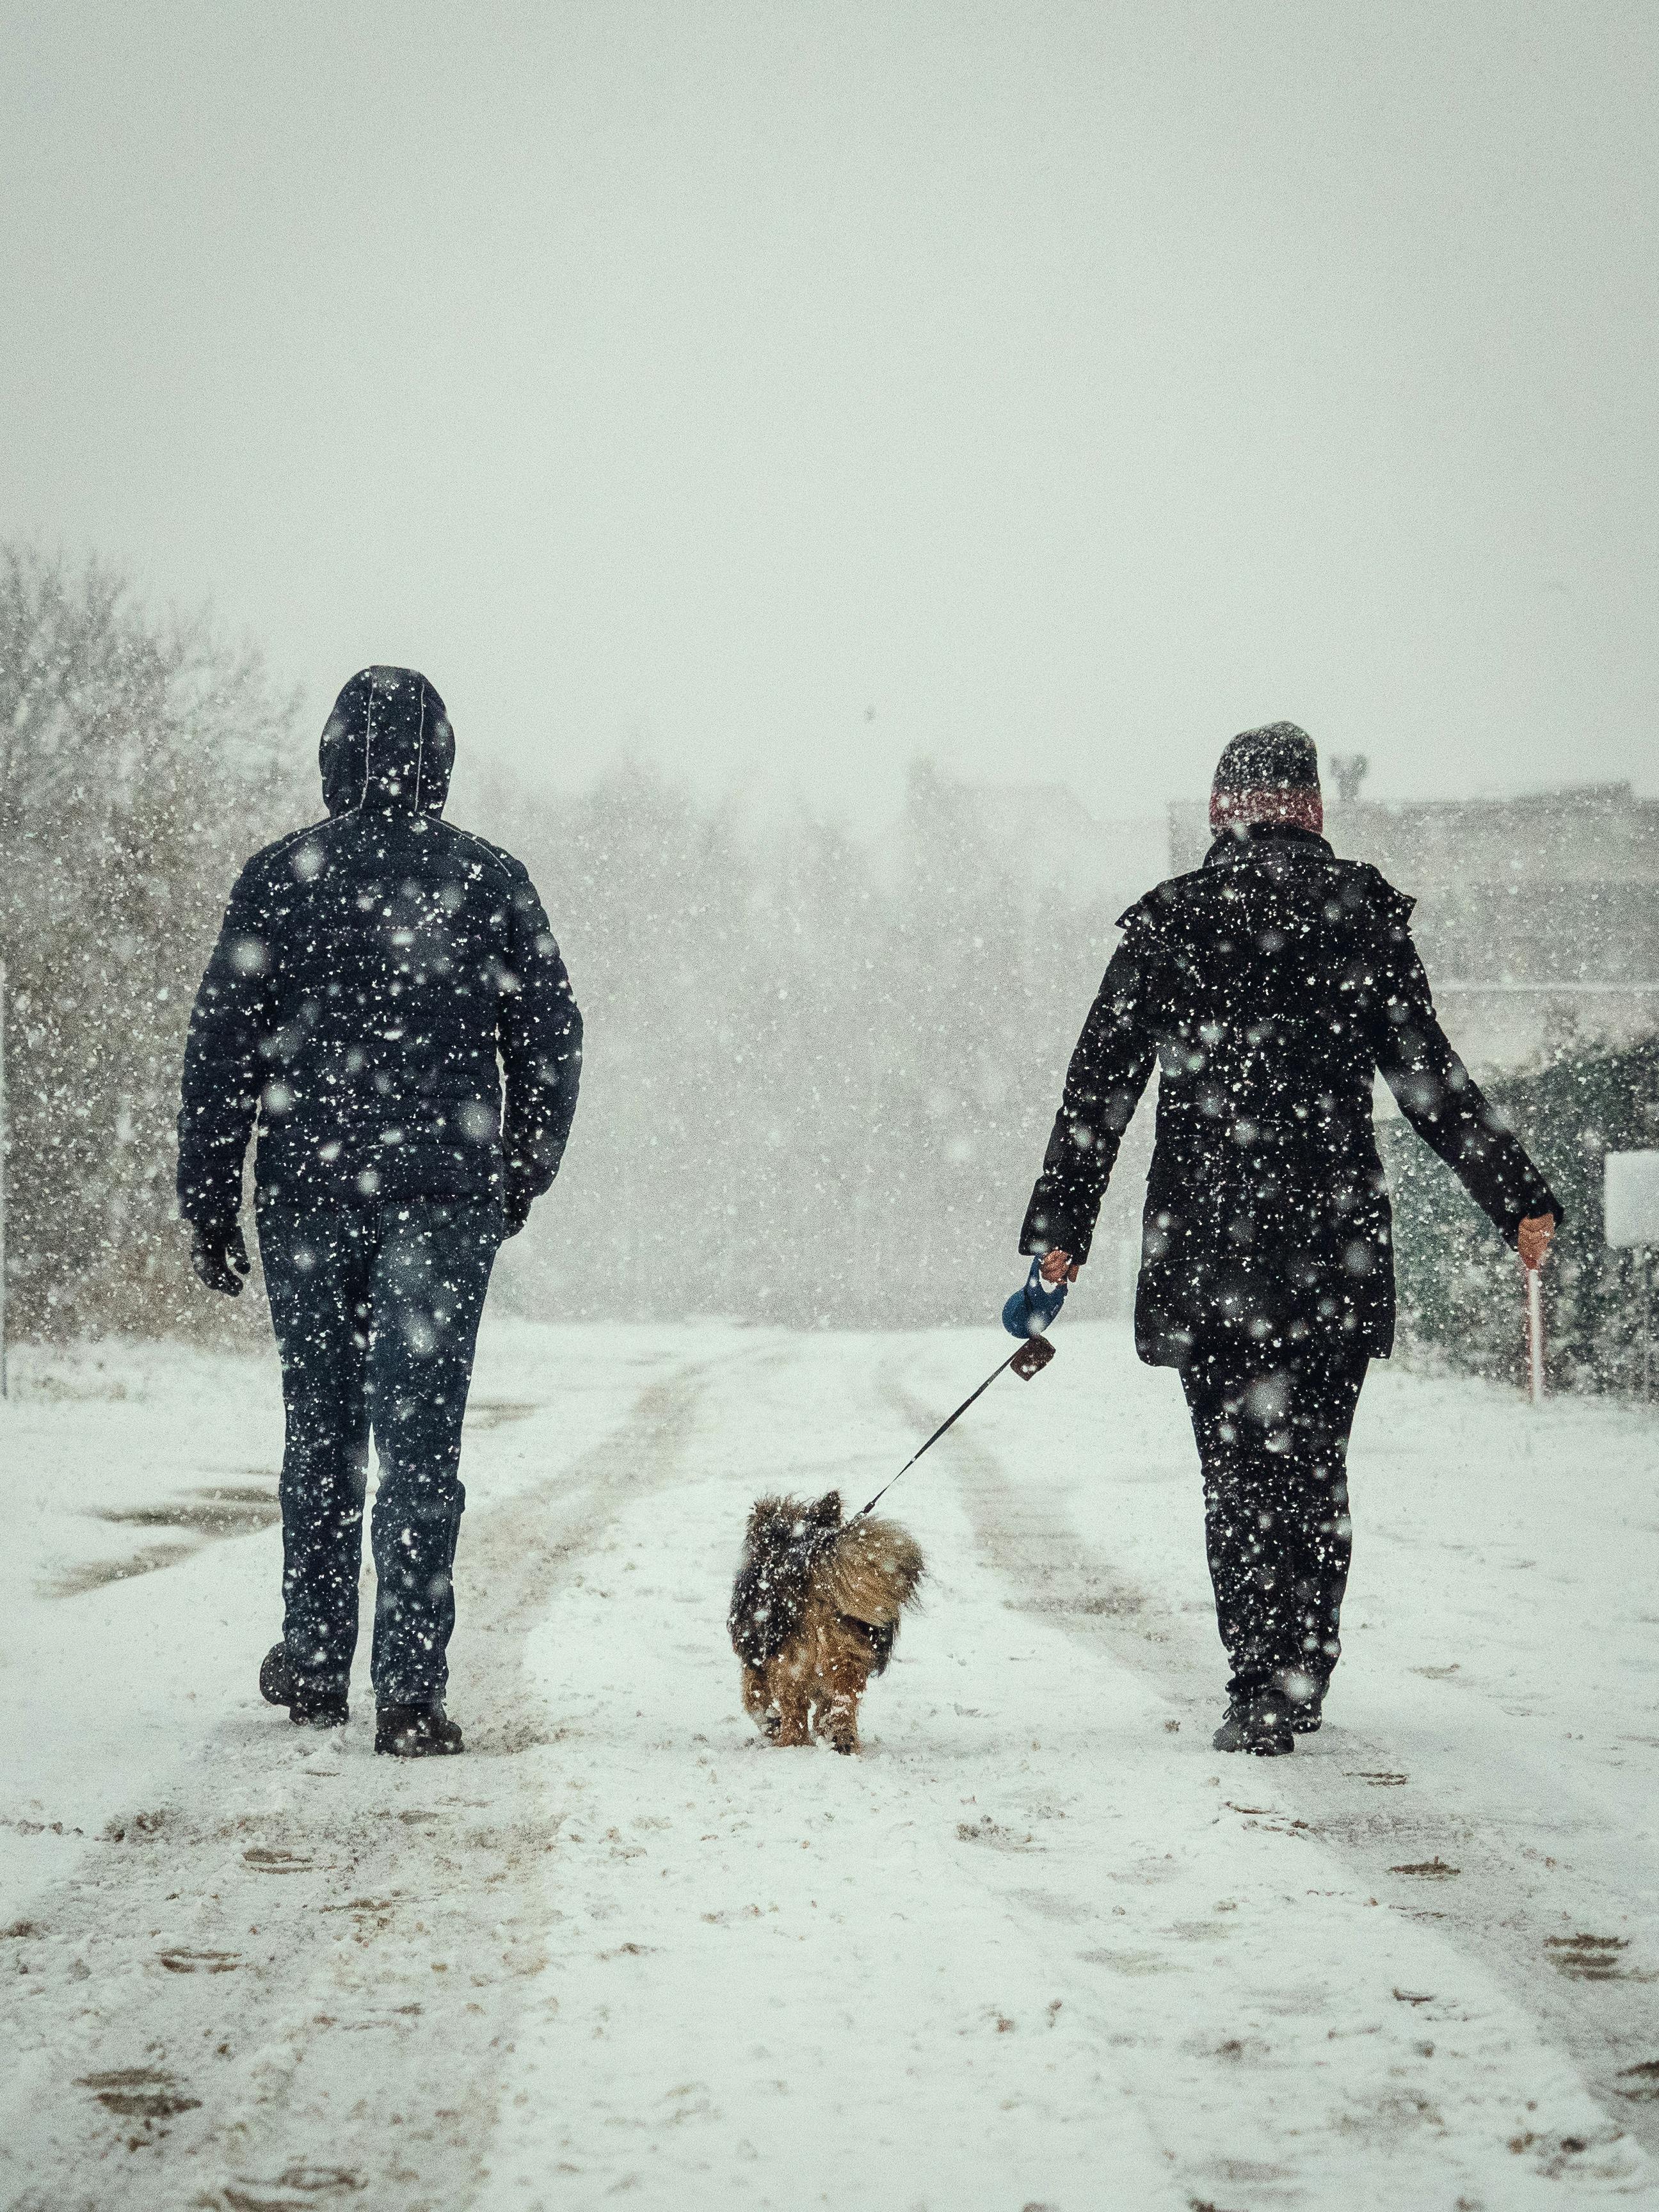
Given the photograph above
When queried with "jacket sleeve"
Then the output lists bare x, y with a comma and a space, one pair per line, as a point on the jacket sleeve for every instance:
1109, 1070
540, 1041
223, 1062
1444, 1103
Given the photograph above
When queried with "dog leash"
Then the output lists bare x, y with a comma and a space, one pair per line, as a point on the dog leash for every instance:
1032, 1357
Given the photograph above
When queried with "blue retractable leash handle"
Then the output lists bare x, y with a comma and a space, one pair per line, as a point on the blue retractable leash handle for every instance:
1035, 1307
1026, 1315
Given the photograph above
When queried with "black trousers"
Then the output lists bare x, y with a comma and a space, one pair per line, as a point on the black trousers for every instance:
1272, 1441
376, 1311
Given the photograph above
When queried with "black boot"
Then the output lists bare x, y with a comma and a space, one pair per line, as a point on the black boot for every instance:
416, 1732
274, 1686
308, 1706
1260, 1722
1306, 1713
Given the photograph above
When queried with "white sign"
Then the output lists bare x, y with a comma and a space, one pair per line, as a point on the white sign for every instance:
1631, 1197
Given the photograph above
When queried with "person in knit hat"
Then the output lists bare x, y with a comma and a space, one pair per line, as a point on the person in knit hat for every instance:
1268, 776
1268, 987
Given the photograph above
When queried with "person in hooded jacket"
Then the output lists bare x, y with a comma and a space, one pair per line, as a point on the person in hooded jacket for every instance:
1267, 988
387, 1006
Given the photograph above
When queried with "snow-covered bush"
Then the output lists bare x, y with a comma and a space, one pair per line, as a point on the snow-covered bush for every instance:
1460, 1289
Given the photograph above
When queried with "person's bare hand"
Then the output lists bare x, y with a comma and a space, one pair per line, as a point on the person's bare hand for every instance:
1533, 1239
1061, 1268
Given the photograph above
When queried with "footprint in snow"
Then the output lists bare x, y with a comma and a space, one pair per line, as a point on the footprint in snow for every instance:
139, 2093
200, 1962
270, 1861
1592, 1958
295, 2187
985, 1829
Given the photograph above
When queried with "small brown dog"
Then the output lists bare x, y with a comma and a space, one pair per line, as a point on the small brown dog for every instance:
814, 1612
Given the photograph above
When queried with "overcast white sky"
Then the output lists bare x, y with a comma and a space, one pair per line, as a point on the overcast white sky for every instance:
1066, 386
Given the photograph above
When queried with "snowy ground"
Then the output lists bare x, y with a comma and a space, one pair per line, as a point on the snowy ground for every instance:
1040, 1947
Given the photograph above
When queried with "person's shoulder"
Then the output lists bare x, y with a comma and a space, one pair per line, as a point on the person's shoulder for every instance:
1167, 903
504, 872
298, 854
1358, 885
492, 860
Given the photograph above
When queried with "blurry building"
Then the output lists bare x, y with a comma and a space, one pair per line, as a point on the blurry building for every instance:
1537, 917
1055, 842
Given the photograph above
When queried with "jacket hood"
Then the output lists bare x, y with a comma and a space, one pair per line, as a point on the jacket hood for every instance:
388, 746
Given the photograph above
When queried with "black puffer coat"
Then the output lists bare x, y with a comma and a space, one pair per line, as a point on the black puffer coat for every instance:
376, 975
1267, 986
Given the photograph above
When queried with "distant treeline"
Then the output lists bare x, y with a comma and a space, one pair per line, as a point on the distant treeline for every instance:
820, 1072
819, 1075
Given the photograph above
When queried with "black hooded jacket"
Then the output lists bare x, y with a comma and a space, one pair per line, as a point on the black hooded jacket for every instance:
376, 976
1268, 987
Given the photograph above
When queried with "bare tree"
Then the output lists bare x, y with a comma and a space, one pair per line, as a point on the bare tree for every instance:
141, 758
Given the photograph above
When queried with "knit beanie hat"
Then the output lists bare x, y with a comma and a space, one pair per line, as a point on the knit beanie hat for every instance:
1270, 775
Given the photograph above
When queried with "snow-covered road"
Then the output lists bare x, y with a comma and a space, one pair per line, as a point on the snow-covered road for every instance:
1040, 1947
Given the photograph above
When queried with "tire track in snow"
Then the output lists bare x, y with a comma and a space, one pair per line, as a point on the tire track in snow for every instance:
1517, 1914
295, 1989
780, 1981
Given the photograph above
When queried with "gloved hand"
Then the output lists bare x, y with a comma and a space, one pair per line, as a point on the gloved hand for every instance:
516, 1205
216, 1248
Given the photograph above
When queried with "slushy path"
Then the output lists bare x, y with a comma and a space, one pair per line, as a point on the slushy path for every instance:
1040, 1947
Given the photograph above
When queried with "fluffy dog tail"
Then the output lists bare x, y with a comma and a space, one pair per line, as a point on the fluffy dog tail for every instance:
871, 1571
